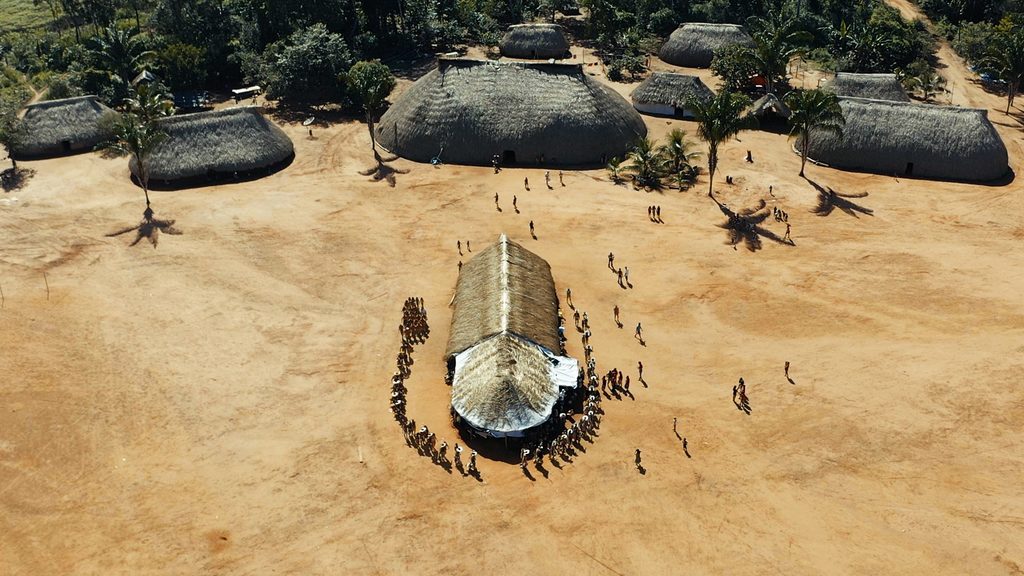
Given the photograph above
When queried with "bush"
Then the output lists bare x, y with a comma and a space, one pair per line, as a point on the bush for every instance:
306, 65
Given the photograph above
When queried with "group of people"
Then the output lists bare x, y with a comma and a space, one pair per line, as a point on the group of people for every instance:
622, 273
654, 214
782, 216
414, 330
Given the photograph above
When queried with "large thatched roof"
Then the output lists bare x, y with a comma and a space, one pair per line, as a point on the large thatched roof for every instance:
63, 126
693, 44
534, 41
476, 109
504, 385
218, 143
769, 104
670, 89
873, 86
940, 142
504, 288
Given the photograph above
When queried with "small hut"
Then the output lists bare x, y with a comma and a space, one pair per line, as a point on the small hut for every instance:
769, 108
468, 111
57, 127
534, 41
230, 143
666, 94
502, 354
920, 140
694, 44
870, 86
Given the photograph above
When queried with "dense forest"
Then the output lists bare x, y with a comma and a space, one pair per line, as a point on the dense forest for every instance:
300, 49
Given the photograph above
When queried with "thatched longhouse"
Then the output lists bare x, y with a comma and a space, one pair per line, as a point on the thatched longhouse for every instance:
502, 350
233, 142
64, 126
466, 111
693, 44
535, 41
769, 107
896, 138
871, 86
666, 94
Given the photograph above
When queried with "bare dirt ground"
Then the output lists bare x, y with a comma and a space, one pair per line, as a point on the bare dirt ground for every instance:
219, 405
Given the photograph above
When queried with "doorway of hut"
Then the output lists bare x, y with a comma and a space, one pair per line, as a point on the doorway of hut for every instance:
508, 157
910, 169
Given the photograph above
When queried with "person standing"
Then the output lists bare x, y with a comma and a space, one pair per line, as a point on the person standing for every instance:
560, 180
615, 313
636, 460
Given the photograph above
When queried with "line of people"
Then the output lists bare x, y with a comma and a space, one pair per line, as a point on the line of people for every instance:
654, 214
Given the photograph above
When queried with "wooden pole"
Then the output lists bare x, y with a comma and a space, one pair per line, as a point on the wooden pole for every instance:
47, 287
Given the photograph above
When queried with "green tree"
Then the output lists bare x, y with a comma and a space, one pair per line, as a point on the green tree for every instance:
307, 65
734, 66
647, 164
1005, 58
183, 65
678, 151
119, 54
615, 169
12, 130
719, 119
370, 83
777, 40
813, 111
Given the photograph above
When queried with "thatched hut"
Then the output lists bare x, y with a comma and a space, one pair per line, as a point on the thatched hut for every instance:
694, 44
870, 86
65, 126
502, 350
534, 41
467, 111
898, 138
234, 142
770, 107
666, 94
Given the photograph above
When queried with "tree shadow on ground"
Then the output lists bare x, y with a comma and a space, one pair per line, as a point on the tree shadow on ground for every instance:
16, 178
829, 200
150, 229
383, 171
744, 226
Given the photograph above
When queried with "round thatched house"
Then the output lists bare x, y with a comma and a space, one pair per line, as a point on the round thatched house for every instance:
230, 143
65, 126
537, 41
897, 138
666, 94
502, 352
871, 86
693, 44
468, 111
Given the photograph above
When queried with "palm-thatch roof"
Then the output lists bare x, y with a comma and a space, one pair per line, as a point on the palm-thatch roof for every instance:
769, 104
534, 41
694, 44
940, 142
63, 126
504, 288
670, 89
233, 141
872, 86
504, 385
545, 113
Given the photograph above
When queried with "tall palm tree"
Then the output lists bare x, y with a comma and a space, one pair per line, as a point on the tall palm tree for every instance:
815, 111
149, 103
647, 163
677, 150
1005, 58
720, 118
777, 40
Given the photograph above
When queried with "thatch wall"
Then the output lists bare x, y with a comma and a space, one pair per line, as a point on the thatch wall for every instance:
534, 41
940, 142
769, 104
553, 113
504, 288
694, 44
217, 144
504, 385
63, 126
870, 86
670, 89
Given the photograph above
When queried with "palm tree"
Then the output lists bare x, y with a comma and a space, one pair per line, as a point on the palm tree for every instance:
615, 169
813, 111
1005, 58
149, 103
647, 163
119, 53
677, 151
777, 40
928, 82
720, 118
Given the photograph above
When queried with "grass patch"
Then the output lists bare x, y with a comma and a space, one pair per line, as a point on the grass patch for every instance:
22, 14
